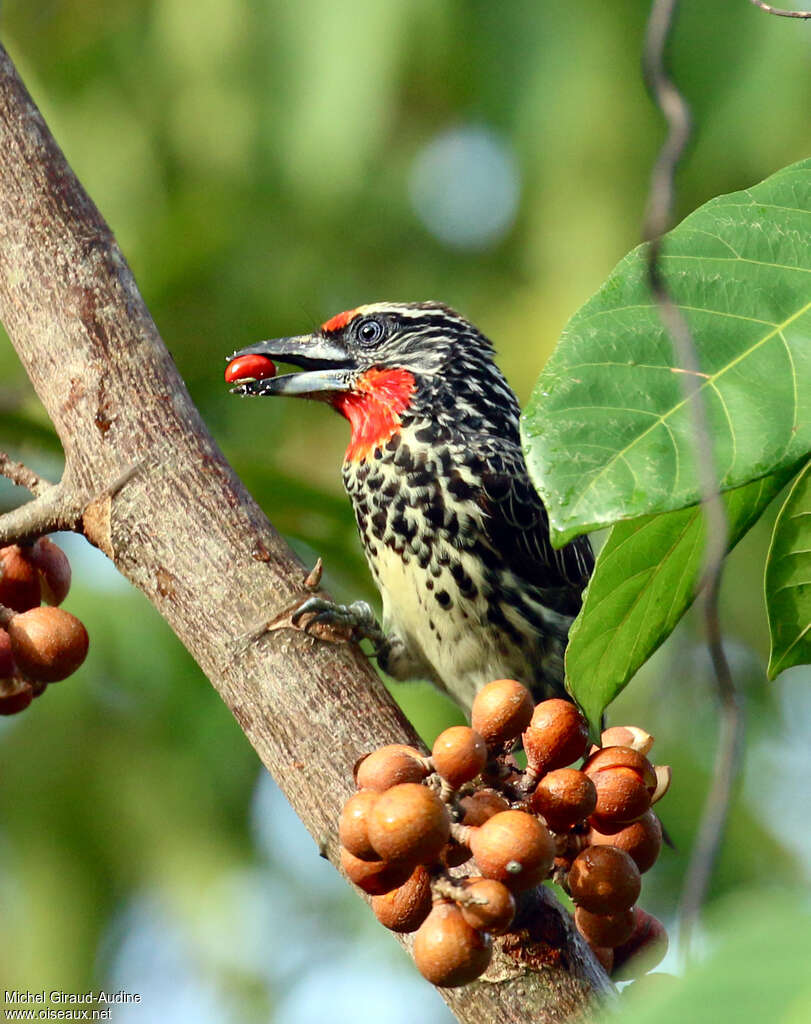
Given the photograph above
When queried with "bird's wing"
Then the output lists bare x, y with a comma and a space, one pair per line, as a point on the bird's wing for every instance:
517, 526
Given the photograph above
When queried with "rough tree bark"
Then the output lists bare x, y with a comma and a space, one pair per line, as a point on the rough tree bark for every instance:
146, 483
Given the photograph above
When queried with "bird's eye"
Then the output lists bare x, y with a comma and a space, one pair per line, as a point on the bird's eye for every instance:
370, 330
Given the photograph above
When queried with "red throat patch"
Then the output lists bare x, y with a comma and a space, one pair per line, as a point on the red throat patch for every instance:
339, 321
373, 408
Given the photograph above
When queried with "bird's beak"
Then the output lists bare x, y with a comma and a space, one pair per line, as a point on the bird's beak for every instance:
327, 365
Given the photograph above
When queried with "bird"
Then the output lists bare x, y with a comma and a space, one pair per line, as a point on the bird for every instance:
454, 532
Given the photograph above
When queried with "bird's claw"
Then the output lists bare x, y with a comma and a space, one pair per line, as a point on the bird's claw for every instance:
356, 620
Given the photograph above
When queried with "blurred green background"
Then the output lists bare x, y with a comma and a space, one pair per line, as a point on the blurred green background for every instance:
264, 165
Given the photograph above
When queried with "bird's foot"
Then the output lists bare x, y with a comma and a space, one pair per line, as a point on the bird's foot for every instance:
326, 620
350, 622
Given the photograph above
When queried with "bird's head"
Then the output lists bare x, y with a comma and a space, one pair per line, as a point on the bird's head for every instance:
374, 364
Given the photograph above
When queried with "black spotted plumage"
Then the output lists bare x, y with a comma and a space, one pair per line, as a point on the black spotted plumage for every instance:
457, 463
455, 534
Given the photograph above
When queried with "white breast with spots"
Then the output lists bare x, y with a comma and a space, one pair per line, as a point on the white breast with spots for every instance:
455, 646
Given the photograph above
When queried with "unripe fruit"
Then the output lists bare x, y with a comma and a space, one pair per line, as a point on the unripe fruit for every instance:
641, 840
353, 827
49, 644
644, 950
389, 766
375, 877
15, 696
19, 579
604, 880
54, 570
448, 951
627, 736
253, 366
409, 824
406, 907
564, 797
487, 905
501, 711
514, 848
481, 805
606, 930
459, 754
557, 735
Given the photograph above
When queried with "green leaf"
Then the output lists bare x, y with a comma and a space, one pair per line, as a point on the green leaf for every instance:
608, 433
644, 580
788, 579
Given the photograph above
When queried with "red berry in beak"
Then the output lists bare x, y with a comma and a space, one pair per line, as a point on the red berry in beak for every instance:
250, 367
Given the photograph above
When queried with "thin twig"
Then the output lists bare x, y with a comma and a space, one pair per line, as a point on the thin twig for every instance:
54, 508
657, 220
21, 475
779, 11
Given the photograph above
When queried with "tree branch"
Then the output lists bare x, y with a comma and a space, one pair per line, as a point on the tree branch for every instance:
146, 483
21, 475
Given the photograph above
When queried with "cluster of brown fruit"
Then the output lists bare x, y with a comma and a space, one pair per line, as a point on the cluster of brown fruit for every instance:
590, 829
38, 645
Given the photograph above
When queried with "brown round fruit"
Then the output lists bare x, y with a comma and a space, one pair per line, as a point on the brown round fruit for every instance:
459, 754
608, 758
481, 805
621, 798
19, 579
375, 877
448, 951
406, 907
641, 840
15, 695
564, 797
409, 824
627, 736
605, 957
501, 711
389, 766
49, 644
625, 781
604, 929
487, 905
557, 735
353, 827
604, 880
7, 666
514, 848
644, 950
54, 570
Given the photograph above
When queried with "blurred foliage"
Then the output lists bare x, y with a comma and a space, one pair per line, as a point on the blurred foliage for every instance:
255, 162
736, 982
